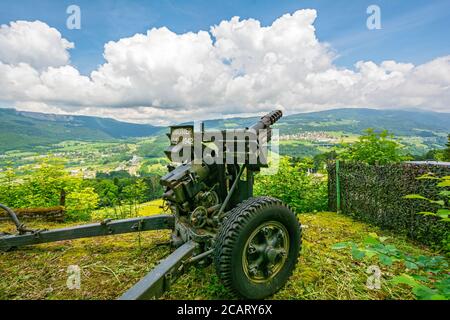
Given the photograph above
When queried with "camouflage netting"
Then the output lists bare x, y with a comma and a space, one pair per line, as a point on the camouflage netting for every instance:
374, 194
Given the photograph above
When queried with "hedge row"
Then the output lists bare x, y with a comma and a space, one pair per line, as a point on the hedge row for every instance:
374, 194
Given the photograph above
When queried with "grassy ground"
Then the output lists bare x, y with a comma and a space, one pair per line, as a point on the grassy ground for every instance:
111, 265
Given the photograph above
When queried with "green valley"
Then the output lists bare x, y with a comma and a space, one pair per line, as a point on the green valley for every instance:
95, 145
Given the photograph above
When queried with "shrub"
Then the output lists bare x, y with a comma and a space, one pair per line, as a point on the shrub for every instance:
80, 203
374, 148
444, 210
294, 185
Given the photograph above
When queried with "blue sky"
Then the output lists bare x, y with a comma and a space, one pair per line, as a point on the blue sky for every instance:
412, 31
309, 60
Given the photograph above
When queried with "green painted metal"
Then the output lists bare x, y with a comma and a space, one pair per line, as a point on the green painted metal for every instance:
230, 194
157, 281
105, 228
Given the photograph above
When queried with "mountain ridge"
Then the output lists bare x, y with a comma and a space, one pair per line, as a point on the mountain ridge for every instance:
19, 129
22, 129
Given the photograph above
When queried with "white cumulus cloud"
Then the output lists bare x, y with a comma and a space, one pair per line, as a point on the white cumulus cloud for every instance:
34, 43
237, 67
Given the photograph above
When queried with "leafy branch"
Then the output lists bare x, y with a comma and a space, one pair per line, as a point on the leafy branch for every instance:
442, 182
430, 279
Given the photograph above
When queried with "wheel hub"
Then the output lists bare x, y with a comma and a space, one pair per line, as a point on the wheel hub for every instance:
265, 251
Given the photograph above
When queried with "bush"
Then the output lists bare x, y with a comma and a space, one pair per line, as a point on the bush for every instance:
375, 194
294, 185
80, 203
374, 148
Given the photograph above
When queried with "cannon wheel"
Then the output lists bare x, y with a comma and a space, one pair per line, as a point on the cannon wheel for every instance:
257, 247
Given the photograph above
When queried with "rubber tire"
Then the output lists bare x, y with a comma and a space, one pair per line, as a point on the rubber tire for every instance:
234, 233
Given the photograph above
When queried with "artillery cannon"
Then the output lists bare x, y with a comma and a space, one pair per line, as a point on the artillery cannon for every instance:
253, 242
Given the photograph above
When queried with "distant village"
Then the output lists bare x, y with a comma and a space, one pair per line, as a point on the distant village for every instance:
131, 166
83, 164
320, 137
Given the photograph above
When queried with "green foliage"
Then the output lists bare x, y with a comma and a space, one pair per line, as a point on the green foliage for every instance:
446, 152
433, 155
108, 192
80, 203
374, 148
44, 185
375, 194
321, 160
45, 181
135, 193
40, 188
428, 276
303, 191
153, 148
295, 148
441, 289
153, 166
444, 210
113, 175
